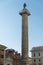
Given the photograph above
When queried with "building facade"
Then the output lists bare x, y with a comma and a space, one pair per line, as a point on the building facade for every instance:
37, 55
9, 56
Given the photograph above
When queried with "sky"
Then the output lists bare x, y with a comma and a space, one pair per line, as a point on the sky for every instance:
11, 23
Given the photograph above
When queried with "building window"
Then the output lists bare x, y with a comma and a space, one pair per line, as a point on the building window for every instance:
39, 54
1, 64
39, 60
39, 64
34, 54
34, 60
34, 64
8, 64
2, 56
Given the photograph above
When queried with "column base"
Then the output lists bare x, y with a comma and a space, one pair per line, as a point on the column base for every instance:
25, 61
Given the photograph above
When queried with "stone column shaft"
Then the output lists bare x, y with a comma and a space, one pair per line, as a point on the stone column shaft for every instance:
24, 36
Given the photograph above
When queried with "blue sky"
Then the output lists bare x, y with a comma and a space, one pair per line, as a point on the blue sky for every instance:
11, 23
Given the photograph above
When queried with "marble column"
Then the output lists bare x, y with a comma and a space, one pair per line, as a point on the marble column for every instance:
24, 13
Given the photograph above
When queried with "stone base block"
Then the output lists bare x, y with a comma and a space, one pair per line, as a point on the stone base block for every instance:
25, 62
